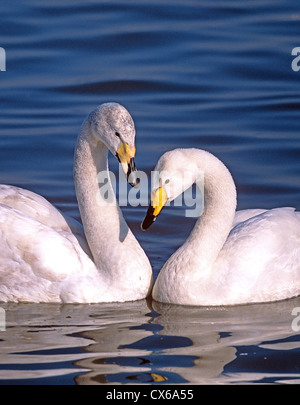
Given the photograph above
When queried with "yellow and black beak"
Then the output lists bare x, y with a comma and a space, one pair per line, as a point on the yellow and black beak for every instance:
125, 156
159, 199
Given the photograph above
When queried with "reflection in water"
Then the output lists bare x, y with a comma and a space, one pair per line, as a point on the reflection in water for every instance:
225, 84
150, 343
219, 334
195, 345
134, 352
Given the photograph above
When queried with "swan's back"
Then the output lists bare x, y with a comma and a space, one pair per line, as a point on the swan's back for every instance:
33, 205
260, 260
37, 262
42, 252
38, 208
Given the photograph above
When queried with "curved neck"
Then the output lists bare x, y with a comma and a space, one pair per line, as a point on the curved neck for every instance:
211, 230
103, 222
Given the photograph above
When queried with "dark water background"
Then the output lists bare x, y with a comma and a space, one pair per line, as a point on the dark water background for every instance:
208, 74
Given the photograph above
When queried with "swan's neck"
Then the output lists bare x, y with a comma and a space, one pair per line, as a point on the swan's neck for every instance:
104, 225
211, 230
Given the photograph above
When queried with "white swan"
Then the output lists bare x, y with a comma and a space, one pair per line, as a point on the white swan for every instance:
44, 255
229, 258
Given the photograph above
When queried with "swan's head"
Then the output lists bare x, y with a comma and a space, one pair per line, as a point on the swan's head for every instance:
173, 174
114, 126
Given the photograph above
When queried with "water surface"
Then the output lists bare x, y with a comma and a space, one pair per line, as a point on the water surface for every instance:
207, 74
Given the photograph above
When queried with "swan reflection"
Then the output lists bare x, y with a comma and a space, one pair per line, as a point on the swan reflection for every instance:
150, 343
176, 344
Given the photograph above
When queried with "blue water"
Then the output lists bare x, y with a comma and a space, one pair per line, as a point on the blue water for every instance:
207, 74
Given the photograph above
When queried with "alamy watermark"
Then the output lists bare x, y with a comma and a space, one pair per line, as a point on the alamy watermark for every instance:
296, 321
2, 320
296, 60
2, 60
191, 197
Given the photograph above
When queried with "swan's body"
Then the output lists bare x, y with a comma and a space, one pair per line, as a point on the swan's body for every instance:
47, 257
230, 257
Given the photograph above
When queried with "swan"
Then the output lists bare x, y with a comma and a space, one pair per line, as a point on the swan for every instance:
230, 257
46, 256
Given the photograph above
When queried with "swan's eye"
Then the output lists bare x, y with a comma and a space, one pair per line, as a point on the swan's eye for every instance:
117, 134
167, 181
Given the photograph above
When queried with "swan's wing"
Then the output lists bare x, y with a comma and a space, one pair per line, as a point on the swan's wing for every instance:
260, 258
38, 208
244, 215
32, 205
35, 259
